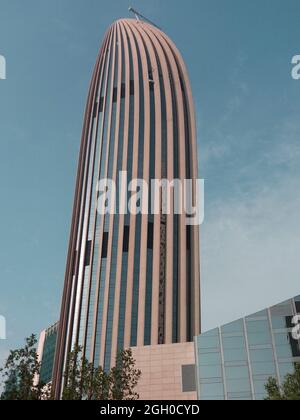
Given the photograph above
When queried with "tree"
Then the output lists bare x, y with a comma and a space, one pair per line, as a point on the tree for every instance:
20, 371
289, 391
85, 382
124, 377
82, 380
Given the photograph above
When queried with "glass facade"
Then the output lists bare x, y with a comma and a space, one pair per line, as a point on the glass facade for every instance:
48, 353
235, 361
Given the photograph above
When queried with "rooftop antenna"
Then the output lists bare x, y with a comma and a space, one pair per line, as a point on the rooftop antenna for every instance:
139, 16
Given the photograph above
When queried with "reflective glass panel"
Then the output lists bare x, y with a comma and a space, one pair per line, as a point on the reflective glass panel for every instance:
260, 389
212, 390
258, 326
261, 355
211, 371
234, 327
208, 342
286, 369
234, 342
259, 338
210, 359
263, 368
235, 355
283, 346
240, 372
238, 385
261, 314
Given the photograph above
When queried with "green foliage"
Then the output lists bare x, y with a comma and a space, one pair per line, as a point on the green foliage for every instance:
82, 381
289, 391
124, 377
19, 374
85, 382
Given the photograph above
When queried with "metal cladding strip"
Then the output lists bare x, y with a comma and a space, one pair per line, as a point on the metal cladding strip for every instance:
157, 98
101, 165
114, 218
124, 138
85, 313
71, 310
96, 170
158, 175
195, 173
182, 174
62, 339
79, 310
157, 218
75, 308
82, 239
168, 328
146, 168
109, 245
130, 273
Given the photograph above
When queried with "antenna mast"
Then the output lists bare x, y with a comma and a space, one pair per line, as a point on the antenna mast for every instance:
139, 16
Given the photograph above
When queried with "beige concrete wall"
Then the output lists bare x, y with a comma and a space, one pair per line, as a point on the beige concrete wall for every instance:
161, 368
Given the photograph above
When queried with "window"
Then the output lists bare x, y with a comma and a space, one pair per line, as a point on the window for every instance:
258, 326
263, 368
208, 342
237, 342
212, 391
150, 235
211, 371
238, 385
284, 347
131, 87
261, 355
188, 378
235, 355
123, 90
188, 238
297, 302
126, 239
260, 389
237, 372
286, 369
234, 327
115, 94
88, 253
210, 359
105, 245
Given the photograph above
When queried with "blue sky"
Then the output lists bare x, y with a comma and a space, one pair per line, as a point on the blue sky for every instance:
238, 53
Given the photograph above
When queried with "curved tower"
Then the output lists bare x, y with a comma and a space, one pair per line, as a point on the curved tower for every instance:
132, 280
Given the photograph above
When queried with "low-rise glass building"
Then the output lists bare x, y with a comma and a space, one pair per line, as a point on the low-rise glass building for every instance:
46, 352
235, 361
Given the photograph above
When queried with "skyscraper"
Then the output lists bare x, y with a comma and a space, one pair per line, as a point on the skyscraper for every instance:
132, 280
